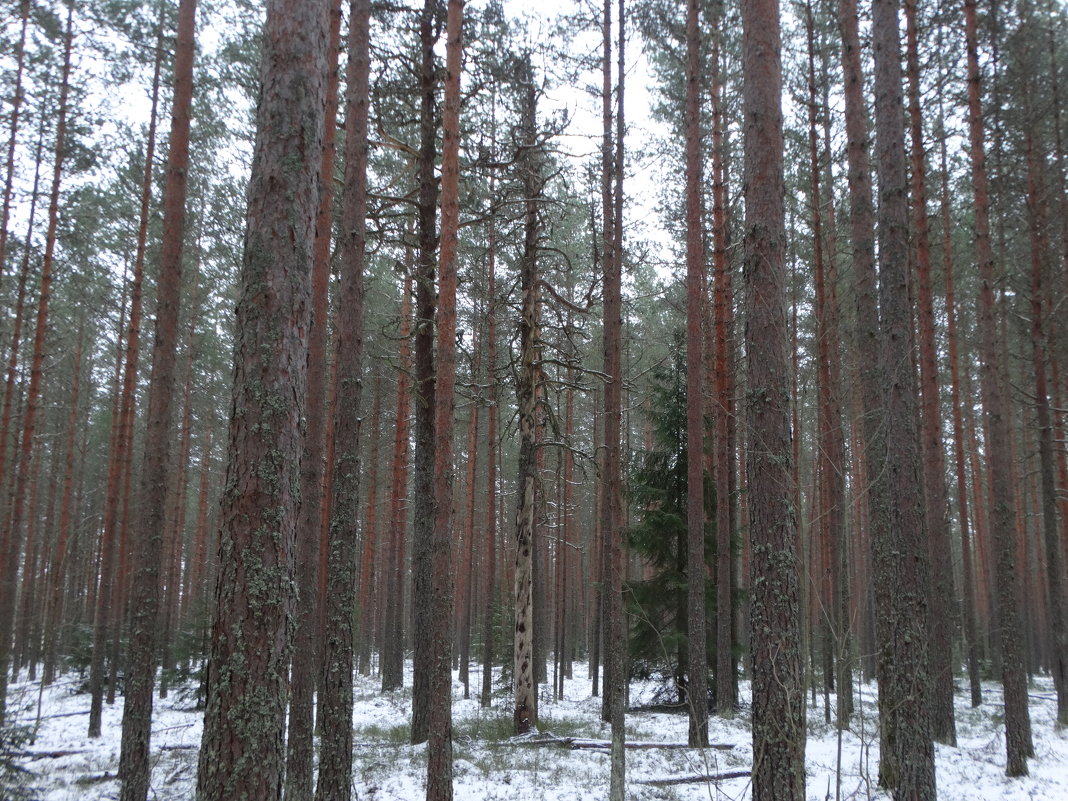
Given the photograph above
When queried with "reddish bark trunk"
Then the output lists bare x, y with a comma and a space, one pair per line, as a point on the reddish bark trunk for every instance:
899, 550
439, 749
465, 602
369, 580
392, 645
697, 651
423, 461
335, 695
723, 404
1058, 636
491, 468
12, 536
250, 649
942, 606
996, 414
778, 687
155, 472
299, 750
58, 572
16, 108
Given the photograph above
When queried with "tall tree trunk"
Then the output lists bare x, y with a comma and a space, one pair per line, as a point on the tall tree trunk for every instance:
942, 611
726, 629
109, 615
465, 603
197, 573
12, 142
423, 461
335, 750
54, 606
20, 310
968, 591
899, 551
11, 538
996, 412
826, 470
250, 649
299, 749
370, 583
525, 714
134, 764
174, 521
488, 643
778, 686
439, 746
393, 644
615, 683
1054, 564
867, 337
696, 569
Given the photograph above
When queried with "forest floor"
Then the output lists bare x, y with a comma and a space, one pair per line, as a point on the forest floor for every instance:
64, 765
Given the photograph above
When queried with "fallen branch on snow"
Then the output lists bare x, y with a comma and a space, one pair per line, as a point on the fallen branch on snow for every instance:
714, 777
582, 743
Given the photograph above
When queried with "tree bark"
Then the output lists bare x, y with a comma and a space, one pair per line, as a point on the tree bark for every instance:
393, 645
900, 553
425, 302
1058, 657
12, 142
942, 607
250, 650
696, 569
370, 583
525, 713
54, 605
335, 750
727, 576
299, 744
615, 634
778, 686
996, 413
11, 540
134, 763
439, 746
971, 635
488, 644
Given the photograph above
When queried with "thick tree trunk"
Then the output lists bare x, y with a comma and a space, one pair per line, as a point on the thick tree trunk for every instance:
996, 413
778, 686
250, 650
423, 462
12, 535
335, 694
942, 606
525, 713
899, 551
439, 745
134, 763
615, 627
727, 629
696, 569
299, 748
1058, 657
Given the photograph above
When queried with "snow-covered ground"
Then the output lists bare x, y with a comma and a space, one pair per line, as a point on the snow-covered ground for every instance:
68, 766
